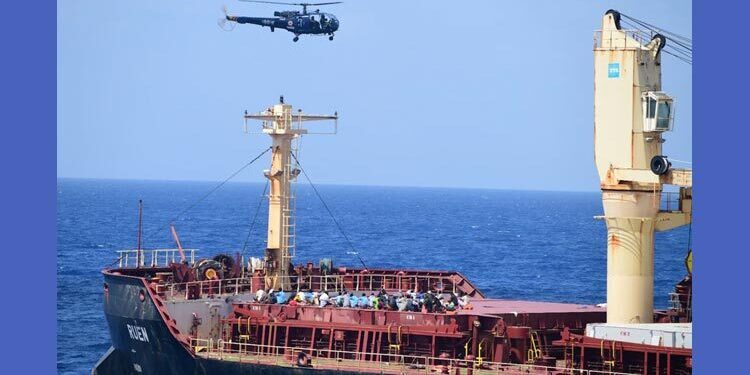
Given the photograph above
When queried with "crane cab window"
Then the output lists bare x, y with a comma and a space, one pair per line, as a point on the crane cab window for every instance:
658, 113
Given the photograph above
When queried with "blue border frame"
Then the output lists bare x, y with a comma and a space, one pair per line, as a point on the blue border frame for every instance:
28, 151
722, 255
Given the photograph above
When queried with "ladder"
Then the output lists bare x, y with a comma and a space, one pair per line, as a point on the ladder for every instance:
289, 218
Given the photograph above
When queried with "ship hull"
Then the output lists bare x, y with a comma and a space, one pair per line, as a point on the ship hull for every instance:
143, 344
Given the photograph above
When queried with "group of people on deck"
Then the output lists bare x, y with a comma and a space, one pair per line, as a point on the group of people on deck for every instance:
414, 301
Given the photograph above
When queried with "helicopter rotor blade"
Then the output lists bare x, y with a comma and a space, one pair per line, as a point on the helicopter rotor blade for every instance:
270, 2
299, 4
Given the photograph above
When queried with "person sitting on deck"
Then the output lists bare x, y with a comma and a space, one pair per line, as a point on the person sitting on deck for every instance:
440, 305
414, 306
362, 301
429, 302
260, 296
300, 298
371, 300
338, 301
353, 300
281, 297
401, 303
450, 307
310, 296
392, 302
323, 299
383, 299
464, 302
272, 298
454, 299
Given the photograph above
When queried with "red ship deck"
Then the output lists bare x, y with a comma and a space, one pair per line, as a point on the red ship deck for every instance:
494, 307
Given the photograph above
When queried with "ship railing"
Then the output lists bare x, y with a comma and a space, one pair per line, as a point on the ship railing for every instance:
200, 289
367, 282
360, 282
670, 201
621, 39
156, 257
367, 362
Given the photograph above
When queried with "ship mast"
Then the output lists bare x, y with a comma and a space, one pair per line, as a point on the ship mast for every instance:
284, 128
631, 114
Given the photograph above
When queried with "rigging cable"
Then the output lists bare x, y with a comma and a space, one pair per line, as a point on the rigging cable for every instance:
341, 230
177, 217
680, 47
255, 217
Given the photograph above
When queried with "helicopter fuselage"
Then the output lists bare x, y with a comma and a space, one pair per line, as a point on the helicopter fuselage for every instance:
311, 23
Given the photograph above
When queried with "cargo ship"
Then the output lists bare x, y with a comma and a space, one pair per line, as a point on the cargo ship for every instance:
171, 312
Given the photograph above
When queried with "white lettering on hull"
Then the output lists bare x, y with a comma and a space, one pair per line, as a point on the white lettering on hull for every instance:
137, 333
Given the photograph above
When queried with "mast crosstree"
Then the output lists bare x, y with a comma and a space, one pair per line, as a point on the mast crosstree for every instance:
285, 128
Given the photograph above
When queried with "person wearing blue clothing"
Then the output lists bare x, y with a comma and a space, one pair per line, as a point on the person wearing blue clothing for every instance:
362, 302
281, 297
353, 300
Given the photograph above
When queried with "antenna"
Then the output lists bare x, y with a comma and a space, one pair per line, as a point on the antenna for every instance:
140, 233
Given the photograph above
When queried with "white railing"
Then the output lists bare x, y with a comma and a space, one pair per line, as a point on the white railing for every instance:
366, 362
197, 289
620, 39
367, 282
156, 257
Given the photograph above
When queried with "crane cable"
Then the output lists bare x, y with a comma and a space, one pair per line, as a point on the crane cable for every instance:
682, 48
255, 218
341, 230
214, 189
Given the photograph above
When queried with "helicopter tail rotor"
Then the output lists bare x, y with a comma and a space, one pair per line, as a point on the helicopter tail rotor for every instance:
224, 22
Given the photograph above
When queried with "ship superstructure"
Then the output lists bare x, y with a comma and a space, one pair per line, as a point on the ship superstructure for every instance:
170, 312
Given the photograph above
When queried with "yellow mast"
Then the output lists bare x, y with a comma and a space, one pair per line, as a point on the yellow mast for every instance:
284, 128
631, 113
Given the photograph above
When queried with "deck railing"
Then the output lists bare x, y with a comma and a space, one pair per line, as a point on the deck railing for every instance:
365, 362
330, 283
199, 289
156, 257
621, 39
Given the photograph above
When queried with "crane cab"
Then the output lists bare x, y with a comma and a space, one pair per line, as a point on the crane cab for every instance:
658, 111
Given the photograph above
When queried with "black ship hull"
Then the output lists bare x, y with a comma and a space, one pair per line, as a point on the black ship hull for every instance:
143, 344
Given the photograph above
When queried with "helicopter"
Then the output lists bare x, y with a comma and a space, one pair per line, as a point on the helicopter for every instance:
298, 23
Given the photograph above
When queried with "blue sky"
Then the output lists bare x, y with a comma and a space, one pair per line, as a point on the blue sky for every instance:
491, 94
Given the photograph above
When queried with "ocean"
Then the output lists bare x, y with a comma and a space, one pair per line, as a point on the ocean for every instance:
532, 245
